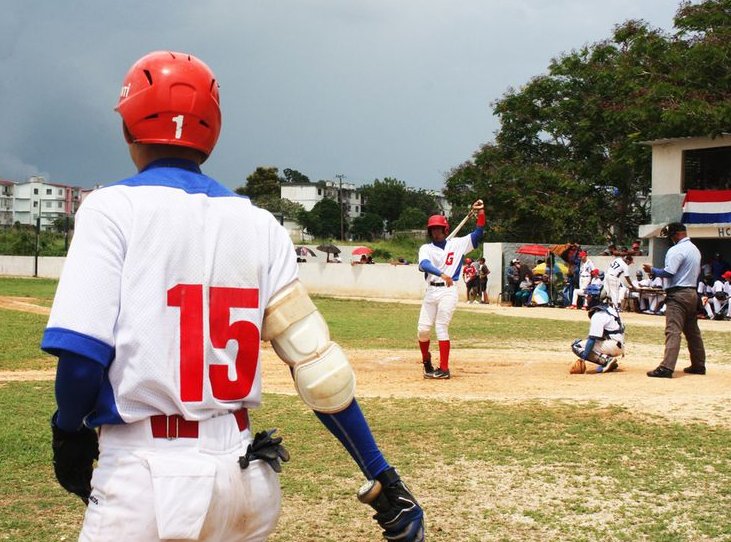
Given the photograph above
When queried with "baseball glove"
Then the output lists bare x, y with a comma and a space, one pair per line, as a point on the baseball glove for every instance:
578, 367
397, 512
73, 458
267, 449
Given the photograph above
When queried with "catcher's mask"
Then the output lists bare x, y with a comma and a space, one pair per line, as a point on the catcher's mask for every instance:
592, 303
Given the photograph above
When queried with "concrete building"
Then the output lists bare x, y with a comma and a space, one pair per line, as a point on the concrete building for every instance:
309, 194
37, 198
686, 171
7, 199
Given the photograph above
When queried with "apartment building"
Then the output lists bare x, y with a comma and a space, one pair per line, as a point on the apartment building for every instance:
7, 191
309, 194
38, 199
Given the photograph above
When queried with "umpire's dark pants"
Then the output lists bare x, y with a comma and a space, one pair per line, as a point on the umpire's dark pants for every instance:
681, 316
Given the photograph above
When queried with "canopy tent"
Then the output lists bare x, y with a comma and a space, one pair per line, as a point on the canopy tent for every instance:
533, 250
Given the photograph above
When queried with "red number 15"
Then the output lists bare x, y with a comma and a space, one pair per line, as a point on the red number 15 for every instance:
189, 297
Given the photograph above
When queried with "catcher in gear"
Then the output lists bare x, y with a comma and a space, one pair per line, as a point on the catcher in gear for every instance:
605, 342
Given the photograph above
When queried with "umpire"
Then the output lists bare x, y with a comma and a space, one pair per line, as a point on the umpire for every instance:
680, 274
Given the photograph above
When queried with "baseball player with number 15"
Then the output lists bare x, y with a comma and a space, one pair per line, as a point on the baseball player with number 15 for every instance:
441, 262
171, 282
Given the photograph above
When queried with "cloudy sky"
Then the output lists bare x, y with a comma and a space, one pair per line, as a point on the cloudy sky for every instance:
363, 88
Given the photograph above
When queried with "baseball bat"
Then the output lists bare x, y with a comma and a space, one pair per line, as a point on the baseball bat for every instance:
372, 493
455, 231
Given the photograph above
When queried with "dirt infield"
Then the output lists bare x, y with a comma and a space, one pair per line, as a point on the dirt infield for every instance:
517, 375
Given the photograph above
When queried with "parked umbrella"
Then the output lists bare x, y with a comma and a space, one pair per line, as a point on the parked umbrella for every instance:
540, 269
358, 251
303, 252
329, 249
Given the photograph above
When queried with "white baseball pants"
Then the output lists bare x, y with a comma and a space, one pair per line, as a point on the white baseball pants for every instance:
152, 489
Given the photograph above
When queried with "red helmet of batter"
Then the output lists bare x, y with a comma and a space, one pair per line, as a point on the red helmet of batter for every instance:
438, 221
171, 98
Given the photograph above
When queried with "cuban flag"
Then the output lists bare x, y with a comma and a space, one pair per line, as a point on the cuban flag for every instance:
707, 207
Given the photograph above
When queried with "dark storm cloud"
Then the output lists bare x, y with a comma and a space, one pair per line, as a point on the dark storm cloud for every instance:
368, 89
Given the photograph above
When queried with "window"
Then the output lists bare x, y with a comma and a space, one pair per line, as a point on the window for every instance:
60, 205
35, 191
707, 169
35, 204
49, 191
48, 204
319, 191
60, 191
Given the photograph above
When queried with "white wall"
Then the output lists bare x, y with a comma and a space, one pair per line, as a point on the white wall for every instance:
24, 266
380, 280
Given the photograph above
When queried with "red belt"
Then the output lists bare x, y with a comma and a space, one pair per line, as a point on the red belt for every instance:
176, 426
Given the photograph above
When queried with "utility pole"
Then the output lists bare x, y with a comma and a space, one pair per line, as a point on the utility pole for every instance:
340, 176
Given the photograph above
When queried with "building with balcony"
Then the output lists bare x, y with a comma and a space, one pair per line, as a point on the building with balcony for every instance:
38, 199
309, 194
7, 192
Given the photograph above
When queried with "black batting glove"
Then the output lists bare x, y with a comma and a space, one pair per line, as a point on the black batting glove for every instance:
267, 449
397, 511
74, 453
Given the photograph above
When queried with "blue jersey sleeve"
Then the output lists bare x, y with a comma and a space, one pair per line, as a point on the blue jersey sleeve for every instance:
78, 384
428, 267
351, 428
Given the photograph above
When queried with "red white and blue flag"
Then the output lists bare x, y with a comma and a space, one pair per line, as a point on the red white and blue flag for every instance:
707, 207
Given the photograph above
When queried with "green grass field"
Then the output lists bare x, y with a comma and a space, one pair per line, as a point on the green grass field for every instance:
483, 470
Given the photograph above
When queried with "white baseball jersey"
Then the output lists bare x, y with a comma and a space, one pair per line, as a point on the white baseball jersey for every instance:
605, 324
448, 259
165, 284
617, 268
585, 270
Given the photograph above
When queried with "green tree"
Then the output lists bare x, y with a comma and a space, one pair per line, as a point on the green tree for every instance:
294, 176
264, 181
384, 198
569, 157
367, 227
411, 218
323, 221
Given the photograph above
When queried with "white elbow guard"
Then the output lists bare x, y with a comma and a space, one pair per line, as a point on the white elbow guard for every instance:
322, 374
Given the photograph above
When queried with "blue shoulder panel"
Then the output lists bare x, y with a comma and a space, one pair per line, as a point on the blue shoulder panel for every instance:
181, 174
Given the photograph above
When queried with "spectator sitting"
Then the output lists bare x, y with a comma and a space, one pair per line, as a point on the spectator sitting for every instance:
525, 290
540, 296
369, 259
363, 260
705, 294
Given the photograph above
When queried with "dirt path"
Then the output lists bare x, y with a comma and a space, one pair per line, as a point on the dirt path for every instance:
514, 376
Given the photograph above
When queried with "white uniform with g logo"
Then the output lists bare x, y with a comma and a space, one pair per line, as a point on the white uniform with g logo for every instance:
440, 300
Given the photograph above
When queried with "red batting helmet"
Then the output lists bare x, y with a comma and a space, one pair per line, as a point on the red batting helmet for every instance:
172, 99
438, 221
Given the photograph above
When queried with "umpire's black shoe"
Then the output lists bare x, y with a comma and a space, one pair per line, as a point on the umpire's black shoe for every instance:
660, 372
695, 370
